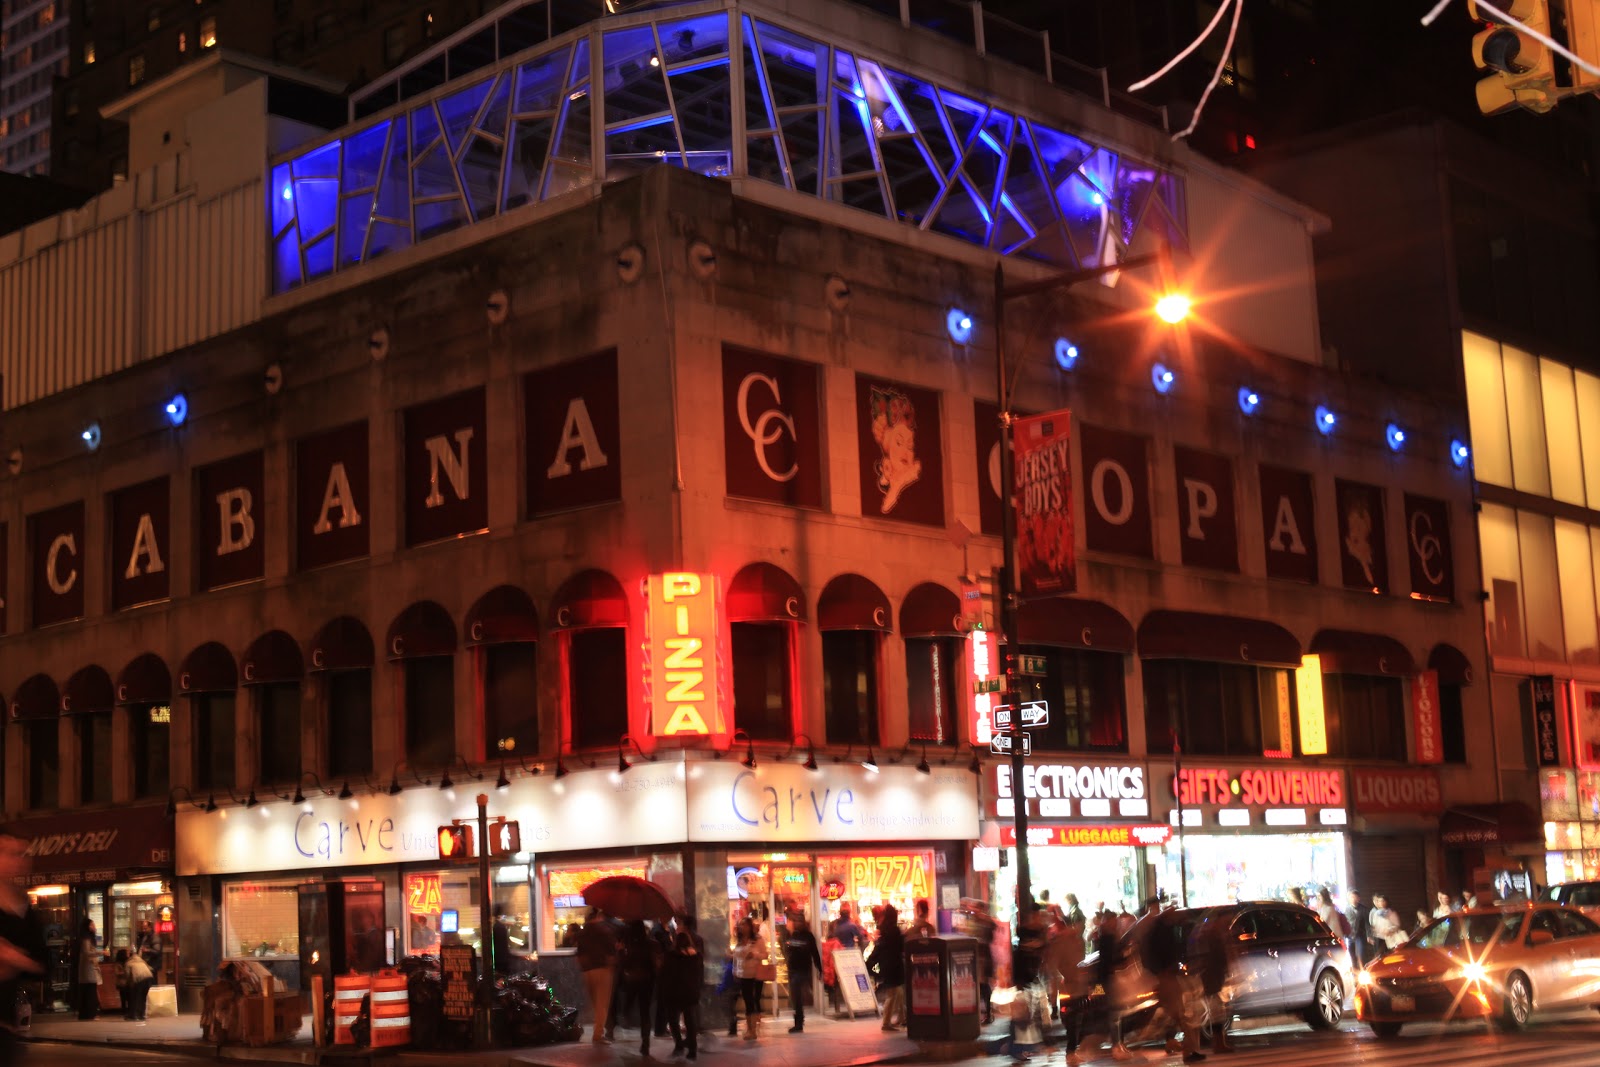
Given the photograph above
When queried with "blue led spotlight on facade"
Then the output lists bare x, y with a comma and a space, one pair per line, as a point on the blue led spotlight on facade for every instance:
1395, 435
1066, 354
91, 436
1326, 420
176, 409
1162, 378
1249, 400
959, 324
1459, 452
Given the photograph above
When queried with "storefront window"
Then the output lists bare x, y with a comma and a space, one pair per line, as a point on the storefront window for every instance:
443, 907
44, 763
1214, 709
53, 908
349, 696
279, 707
142, 915
869, 880
933, 667
94, 758
1452, 724
761, 691
261, 920
562, 907
1366, 716
213, 740
850, 686
430, 710
1224, 868
152, 729
1101, 876
1083, 692
597, 685
511, 698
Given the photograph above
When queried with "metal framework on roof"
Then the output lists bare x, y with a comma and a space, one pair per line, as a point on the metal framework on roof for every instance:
723, 89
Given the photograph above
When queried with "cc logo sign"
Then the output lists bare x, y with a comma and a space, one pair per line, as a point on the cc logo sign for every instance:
766, 429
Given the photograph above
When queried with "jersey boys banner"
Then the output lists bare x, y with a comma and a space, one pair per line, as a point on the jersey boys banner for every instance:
1042, 445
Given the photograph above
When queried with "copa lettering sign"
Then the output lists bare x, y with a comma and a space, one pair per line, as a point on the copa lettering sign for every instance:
681, 655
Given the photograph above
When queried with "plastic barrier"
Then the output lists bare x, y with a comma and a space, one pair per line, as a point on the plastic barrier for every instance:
348, 993
391, 1010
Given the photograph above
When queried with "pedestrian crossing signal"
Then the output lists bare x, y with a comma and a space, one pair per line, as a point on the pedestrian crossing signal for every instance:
455, 842
505, 839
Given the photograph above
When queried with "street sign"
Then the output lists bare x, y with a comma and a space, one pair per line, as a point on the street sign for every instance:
1033, 665
1034, 713
1001, 744
986, 685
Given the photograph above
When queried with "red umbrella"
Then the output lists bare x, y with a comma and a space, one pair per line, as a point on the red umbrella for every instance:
628, 897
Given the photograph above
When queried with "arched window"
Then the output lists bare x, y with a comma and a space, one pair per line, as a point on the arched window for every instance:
423, 640
1082, 646
765, 608
852, 615
931, 627
341, 654
88, 697
273, 670
590, 613
210, 680
145, 688
36, 705
504, 628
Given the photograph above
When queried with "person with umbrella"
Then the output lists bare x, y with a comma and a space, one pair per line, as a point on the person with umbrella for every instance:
597, 953
639, 966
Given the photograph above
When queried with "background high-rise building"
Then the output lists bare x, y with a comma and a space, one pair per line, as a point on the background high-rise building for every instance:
33, 53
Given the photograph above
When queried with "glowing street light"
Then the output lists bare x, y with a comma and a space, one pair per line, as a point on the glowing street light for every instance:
1173, 308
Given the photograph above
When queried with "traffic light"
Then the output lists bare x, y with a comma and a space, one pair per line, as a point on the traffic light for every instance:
505, 838
455, 842
1524, 70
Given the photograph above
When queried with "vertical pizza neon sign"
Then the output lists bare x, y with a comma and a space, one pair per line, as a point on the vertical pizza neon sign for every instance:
681, 654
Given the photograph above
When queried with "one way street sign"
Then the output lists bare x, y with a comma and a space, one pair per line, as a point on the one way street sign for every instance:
1034, 713
1000, 744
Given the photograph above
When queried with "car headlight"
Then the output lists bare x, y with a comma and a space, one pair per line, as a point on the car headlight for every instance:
1473, 972
1364, 978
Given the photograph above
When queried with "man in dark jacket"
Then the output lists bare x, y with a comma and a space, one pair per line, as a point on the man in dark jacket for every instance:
597, 954
683, 979
1361, 939
800, 953
1212, 951
638, 967
887, 963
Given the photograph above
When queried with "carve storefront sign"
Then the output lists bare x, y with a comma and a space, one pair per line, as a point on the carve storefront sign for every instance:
1208, 529
785, 802
233, 527
901, 452
1116, 492
141, 526
1046, 557
446, 473
1363, 559
586, 809
332, 505
574, 443
1428, 548
771, 443
1288, 524
59, 558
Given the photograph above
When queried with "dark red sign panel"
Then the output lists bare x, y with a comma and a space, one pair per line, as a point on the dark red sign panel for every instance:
902, 465
141, 541
1288, 524
138, 836
1428, 548
1046, 557
332, 503
446, 472
771, 437
1363, 554
1116, 492
986, 450
574, 434
1208, 525
233, 527
55, 538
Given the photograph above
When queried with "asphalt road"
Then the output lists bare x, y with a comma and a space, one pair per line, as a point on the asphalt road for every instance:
41, 1053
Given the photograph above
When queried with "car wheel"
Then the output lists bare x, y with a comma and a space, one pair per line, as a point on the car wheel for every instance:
1518, 1003
1327, 1002
1386, 1029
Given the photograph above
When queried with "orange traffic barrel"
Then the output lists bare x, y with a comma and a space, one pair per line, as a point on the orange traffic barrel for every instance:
348, 993
391, 1010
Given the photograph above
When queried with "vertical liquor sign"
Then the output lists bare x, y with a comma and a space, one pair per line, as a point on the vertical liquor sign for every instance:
1046, 560
683, 661
1425, 716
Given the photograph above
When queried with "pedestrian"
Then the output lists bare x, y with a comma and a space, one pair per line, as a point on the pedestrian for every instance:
1072, 983
846, 932
148, 945
1053, 912
1073, 914
1359, 920
1165, 955
1469, 899
886, 962
922, 927
684, 976
1297, 895
751, 965
1423, 919
830, 974
1027, 962
1213, 948
800, 953
983, 932
88, 971
140, 979
1387, 932
638, 965
661, 939
22, 949
1444, 904
1328, 912
501, 932
122, 983
597, 954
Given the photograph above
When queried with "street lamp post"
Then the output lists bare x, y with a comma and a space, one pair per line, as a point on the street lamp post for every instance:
1171, 308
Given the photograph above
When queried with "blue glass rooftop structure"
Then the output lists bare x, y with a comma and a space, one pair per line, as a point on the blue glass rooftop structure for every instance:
725, 90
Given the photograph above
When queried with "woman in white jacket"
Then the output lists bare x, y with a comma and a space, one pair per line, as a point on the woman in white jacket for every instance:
750, 964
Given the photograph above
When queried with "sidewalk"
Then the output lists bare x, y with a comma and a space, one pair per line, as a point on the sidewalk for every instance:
825, 1043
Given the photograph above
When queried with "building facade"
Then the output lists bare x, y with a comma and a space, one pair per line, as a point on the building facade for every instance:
657, 492
33, 54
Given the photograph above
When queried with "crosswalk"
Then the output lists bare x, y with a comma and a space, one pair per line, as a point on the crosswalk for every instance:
1571, 1042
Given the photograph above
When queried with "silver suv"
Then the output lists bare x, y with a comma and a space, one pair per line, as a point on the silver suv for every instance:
1284, 960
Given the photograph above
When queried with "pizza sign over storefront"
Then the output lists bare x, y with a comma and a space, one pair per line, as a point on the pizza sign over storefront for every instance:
684, 688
